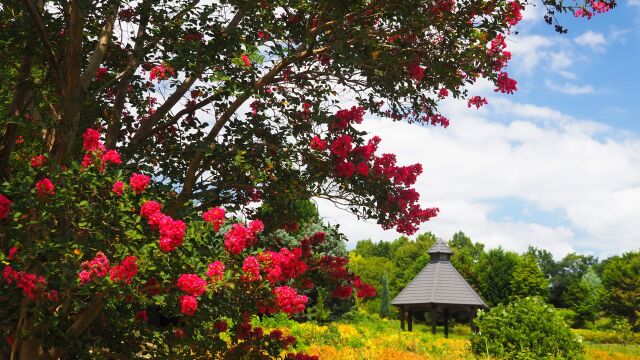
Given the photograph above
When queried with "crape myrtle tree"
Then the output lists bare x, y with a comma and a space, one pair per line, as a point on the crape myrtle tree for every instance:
223, 103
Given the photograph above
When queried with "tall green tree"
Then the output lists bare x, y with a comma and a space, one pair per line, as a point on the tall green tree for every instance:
545, 260
568, 271
385, 297
466, 256
528, 279
495, 274
585, 298
621, 281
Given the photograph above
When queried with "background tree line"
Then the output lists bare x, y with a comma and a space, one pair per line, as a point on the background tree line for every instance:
590, 289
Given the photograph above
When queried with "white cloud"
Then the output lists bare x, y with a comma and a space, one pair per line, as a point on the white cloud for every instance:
560, 60
567, 74
528, 50
542, 157
570, 89
634, 2
594, 40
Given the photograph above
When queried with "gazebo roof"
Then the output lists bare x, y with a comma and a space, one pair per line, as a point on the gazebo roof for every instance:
440, 247
439, 283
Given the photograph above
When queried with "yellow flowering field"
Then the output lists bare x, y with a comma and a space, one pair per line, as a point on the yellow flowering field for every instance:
367, 337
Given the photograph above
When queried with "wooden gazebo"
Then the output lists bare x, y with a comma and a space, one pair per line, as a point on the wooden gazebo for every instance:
438, 288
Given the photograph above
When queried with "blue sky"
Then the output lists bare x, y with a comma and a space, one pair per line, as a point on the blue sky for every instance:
556, 165
605, 59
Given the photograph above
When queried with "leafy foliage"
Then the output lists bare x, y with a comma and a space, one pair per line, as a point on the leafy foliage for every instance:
621, 280
527, 328
495, 275
385, 297
528, 279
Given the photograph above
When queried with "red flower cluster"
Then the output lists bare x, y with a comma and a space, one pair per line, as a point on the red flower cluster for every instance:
38, 161
5, 207
32, 285
345, 169
180, 333
497, 51
149, 208
125, 271
188, 305
251, 269
192, 284
95, 151
334, 267
216, 271
514, 13
94, 268
344, 117
598, 7
362, 169
45, 188
283, 265
91, 140
215, 217
245, 60
161, 72
171, 231
239, 236
477, 101
112, 156
289, 301
363, 290
256, 226
416, 72
318, 144
307, 243
505, 84
342, 292
101, 73
142, 316
385, 166
139, 182
118, 187
341, 146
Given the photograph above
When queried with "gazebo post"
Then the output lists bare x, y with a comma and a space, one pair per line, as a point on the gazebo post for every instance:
402, 318
434, 315
410, 316
446, 323
472, 315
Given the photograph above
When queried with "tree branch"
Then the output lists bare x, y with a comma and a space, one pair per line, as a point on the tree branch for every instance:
36, 20
80, 325
146, 127
114, 122
101, 47
194, 164
135, 61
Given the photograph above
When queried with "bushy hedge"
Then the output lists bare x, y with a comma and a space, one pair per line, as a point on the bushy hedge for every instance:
525, 329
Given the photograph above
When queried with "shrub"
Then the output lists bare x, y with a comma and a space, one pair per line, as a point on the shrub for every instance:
527, 328
97, 268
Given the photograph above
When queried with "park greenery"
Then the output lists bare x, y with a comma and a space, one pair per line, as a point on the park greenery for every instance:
158, 160
534, 298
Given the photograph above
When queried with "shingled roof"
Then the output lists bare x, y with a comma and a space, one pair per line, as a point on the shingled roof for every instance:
439, 283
